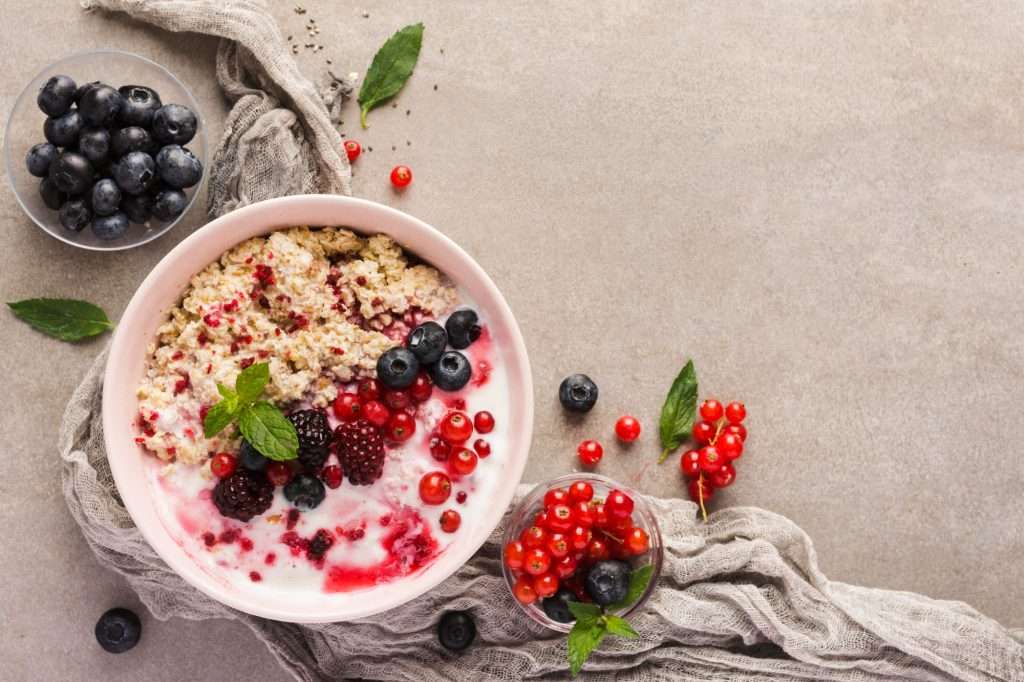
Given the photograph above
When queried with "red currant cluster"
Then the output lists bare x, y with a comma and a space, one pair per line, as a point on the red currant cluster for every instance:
401, 176
572, 532
390, 409
721, 434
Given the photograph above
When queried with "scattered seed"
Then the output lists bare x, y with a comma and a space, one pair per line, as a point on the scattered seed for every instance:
408, 143
408, 111
329, 61
289, 39
369, 149
366, 15
299, 9
394, 148
435, 86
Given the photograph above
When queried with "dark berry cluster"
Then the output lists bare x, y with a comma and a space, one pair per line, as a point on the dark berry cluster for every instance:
424, 349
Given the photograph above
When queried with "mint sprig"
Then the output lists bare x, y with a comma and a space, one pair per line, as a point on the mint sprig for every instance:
391, 68
679, 411
62, 318
594, 623
263, 425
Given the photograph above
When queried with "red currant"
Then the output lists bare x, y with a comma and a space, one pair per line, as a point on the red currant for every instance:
279, 473
515, 551
711, 410
439, 449
376, 413
556, 496
461, 497
735, 412
581, 491
456, 428
541, 519
523, 590
545, 585
369, 389
627, 429
637, 541
223, 464
703, 432
347, 407
730, 445
537, 561
352, 150
590, 452
597, 550
450, 520
463, 461
600, 516
618, 549
565, 567
711, 460
558, 545
579, 537
401, 176
738, 429
689, 463
483, 421
422, 388
435, 487
534, 536
560, 518
397, 398
725, 476
331, 476
400, 427
583, 514
618, 505
700, 486
482, 447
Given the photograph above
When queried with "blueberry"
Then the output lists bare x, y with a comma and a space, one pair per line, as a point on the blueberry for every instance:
250, 458
110, 226
305, 492
71, 173
174, 124
138, 209
118, 630
178, 167
578, 393
100, 104
456, 630
427, 342
84, 88
168, 204
39, 159
135, 172
462, 328
57, 95
397, 367
131, 139
557, 606
607, 582
52, 197
75, 215
94, 144
139, 105
63, 131
452, 371
105, 197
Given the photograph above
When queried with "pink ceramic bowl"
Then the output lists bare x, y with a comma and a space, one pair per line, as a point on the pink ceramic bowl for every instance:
161, 290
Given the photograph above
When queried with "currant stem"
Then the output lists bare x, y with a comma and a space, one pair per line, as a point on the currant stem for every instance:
700, 495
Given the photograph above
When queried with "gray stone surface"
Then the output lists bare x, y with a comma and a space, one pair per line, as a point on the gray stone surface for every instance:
819, 202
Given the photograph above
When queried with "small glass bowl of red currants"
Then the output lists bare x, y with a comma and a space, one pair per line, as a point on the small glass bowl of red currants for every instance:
562, 530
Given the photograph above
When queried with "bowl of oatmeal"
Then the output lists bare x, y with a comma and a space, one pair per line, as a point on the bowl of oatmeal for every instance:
397, 366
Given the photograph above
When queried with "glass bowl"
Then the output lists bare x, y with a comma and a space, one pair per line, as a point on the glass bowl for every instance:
523, 517
25, 128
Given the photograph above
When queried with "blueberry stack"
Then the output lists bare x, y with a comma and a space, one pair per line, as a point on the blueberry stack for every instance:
450, 370
112, 156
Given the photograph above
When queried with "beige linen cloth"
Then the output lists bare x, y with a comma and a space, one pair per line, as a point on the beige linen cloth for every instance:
740, 598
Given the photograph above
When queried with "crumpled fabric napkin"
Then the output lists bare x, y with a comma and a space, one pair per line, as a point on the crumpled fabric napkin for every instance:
739, 598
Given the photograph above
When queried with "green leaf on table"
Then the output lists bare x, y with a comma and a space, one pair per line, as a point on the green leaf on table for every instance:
584, 637
619, 626
391, 68
62, 318
251, 382
269, 431
219, 416
679, 410
638, 581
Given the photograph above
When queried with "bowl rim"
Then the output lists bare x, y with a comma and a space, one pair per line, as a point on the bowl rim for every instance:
9, 159
159, 538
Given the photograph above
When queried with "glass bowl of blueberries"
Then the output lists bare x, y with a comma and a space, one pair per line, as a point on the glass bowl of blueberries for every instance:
105, 150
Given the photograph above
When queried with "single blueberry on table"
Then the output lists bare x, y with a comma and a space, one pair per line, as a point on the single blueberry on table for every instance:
305, 492
131, 139
63, 131
135, 172
607, 582
168, 204
100, 105
557, 606
452, 371
94, 144
577, 393
52, 197
427, 342
118, 630
105, 197
75, 215
463, 328
110, 227
456, 630
174, 124
71, 173
178, 167
139, 103
397, 367
57, 95
138, 209
39, 158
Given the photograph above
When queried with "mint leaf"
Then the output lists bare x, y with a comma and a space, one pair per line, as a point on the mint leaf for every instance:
619, 626
269, 431
62, 318
251, 381
227, 393
584, 612
584, 637
219, 416
638, 580
678, 411
391, 68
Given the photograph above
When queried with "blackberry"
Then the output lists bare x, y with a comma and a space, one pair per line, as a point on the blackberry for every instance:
319, 544
361, 451
243, 495
314, 438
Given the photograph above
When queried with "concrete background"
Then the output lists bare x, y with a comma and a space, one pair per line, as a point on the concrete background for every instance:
818, 202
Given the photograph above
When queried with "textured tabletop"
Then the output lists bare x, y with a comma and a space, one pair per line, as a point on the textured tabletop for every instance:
820, 203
